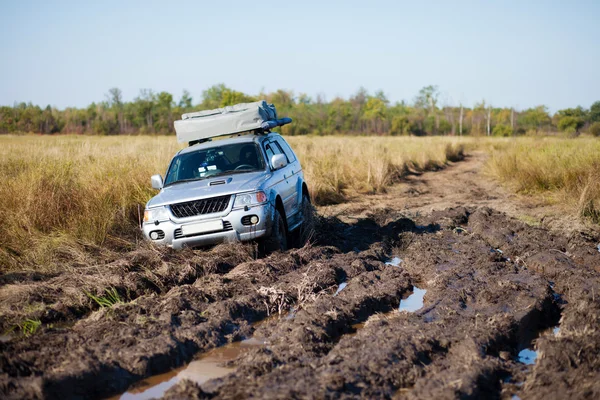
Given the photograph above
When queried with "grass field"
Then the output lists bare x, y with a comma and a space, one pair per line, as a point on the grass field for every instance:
563, 171
63, 193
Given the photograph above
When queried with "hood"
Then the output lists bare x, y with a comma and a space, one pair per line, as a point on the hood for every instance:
187, 191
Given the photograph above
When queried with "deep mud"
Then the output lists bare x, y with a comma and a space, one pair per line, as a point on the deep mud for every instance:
331, 325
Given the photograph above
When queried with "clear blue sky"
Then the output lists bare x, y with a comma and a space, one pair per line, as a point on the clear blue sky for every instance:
510, 53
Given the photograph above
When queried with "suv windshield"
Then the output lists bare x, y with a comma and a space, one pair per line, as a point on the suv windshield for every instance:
219, 160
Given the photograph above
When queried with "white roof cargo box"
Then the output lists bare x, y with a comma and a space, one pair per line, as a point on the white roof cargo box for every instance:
242, 117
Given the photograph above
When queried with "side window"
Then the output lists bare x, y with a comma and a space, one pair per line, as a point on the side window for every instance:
271, 149
287, 150
270, 152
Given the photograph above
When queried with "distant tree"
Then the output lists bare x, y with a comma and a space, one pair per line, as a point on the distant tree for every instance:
115, 103
502, 130
401, 125
186, 100
164, 113
594, 129
594, 114
220, 96
114, 97
534, 119
231, 97
570, 120
145, 104
375, 114
570, 124
427, 98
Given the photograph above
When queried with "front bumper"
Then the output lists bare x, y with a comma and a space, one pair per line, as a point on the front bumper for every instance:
233, 230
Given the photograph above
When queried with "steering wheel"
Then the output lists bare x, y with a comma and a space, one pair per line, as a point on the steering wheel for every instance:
243, 166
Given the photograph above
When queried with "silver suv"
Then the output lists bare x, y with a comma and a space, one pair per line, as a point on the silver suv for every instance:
242, 188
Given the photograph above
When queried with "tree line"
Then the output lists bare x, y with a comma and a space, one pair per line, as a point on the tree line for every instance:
363, 113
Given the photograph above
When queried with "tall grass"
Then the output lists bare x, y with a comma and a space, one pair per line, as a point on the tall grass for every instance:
61, 194
564, 171
60, 191
336, 166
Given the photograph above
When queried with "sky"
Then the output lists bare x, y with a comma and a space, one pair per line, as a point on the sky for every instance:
509, 53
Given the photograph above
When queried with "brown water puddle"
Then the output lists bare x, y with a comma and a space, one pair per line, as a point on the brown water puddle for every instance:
206, 367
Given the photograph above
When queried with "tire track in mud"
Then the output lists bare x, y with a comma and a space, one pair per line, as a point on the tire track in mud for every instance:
567, 364
458, 345
488, 295
112, 348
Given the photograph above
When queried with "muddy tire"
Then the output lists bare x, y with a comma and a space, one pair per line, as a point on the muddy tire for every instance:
277, 241
306, 230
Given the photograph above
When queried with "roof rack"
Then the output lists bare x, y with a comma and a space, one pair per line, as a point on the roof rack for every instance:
198, 127
253, 132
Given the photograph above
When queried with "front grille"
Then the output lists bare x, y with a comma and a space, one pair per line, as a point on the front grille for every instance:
200, 207
226, 227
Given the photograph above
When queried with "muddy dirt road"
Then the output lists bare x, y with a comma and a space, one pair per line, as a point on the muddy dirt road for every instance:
433, 290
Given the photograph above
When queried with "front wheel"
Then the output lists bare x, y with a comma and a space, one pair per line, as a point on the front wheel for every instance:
307, 229
277, 241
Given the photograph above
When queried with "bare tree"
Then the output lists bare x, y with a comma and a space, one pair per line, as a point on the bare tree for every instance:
489, 119
460, 120
512, 119
115, 101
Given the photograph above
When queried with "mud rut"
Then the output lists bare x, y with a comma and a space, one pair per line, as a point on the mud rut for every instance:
494, 287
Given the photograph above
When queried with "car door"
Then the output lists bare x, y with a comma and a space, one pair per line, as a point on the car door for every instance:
281, 177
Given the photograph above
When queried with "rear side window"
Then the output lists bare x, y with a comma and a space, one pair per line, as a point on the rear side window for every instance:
287, 150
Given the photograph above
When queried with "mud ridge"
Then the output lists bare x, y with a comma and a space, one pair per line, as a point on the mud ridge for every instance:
461, 344
157, 332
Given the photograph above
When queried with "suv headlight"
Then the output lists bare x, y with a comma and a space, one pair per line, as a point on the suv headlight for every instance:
156, 214
249, 199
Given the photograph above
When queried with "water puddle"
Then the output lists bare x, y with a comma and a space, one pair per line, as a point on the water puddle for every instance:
527, 356
414, 301
395, 262
208, 366
340, 288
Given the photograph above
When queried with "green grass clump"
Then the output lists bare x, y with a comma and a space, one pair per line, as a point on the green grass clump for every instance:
110, 298
30, 326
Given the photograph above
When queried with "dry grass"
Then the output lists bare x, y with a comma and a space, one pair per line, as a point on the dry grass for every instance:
59, 191
64, 194
334, 166
564, 171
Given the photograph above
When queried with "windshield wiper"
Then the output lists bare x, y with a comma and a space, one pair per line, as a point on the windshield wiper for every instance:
232, 172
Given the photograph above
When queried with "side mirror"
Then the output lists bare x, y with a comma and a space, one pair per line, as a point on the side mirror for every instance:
278, 161
157, 182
